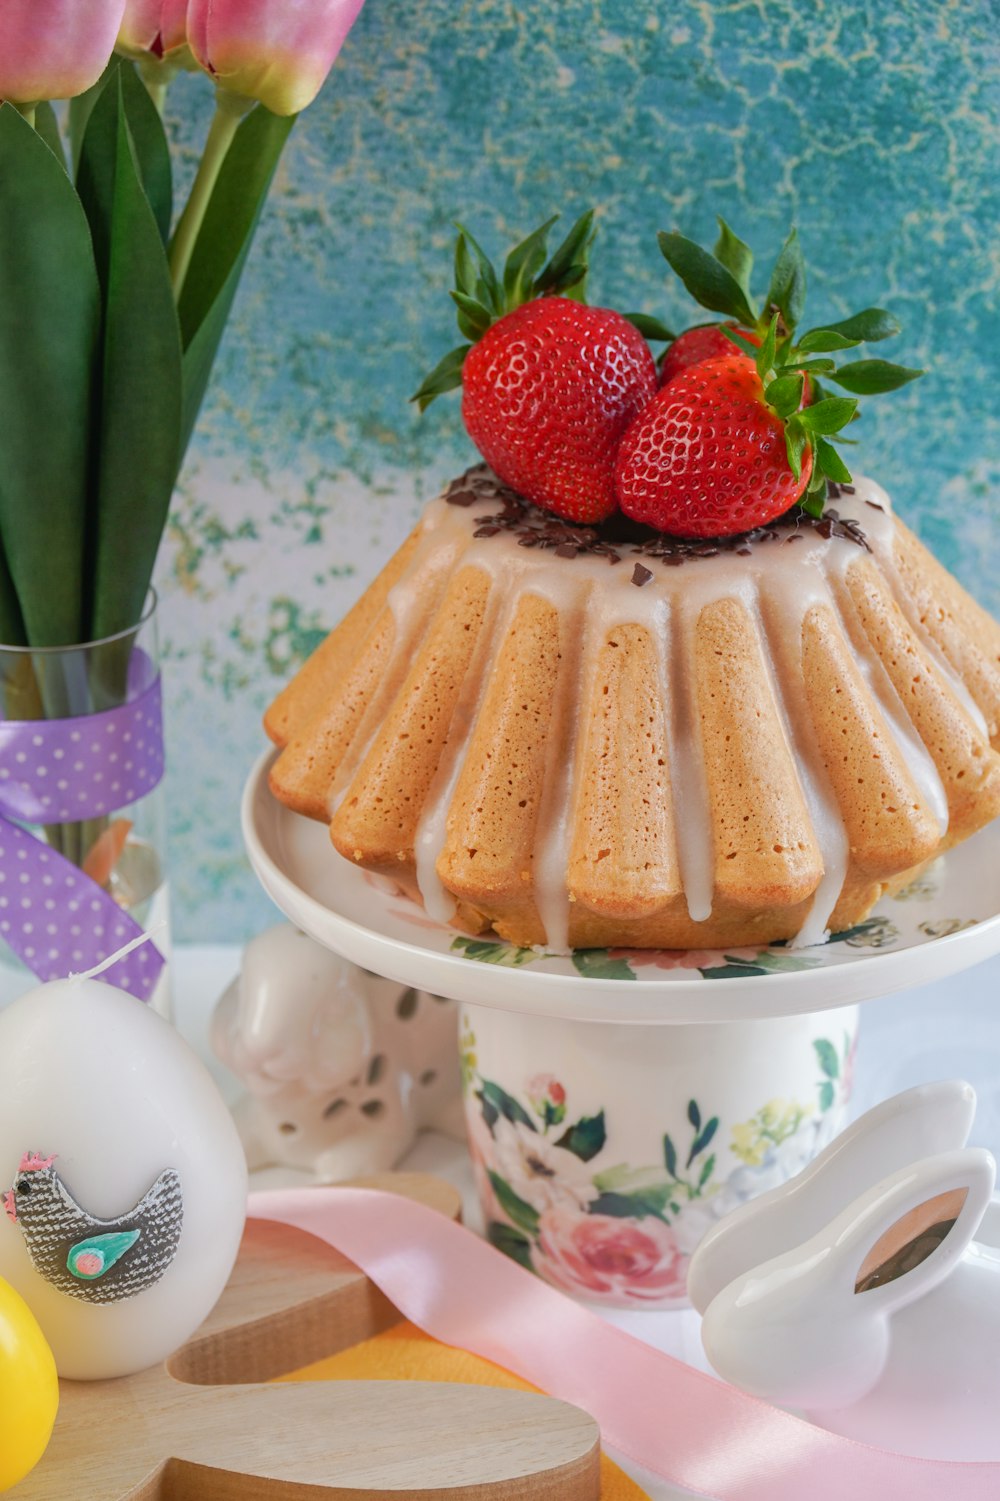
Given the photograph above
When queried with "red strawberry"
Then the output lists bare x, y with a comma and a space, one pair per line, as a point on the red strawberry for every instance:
547, 395
707, 457
696, 345
549, 385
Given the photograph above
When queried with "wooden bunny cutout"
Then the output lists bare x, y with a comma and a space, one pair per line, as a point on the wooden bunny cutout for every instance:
205, 1426
867, 1289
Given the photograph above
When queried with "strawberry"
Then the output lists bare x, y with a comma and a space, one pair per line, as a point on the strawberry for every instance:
549, 384
705, 342
707, 457
547, 395
734, 441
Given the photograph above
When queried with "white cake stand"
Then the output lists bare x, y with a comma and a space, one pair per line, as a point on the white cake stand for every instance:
632, 1139
942, 924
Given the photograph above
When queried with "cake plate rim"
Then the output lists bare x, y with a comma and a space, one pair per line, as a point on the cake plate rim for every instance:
578, 997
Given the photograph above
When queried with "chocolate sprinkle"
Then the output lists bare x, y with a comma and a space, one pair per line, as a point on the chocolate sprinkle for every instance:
618, 537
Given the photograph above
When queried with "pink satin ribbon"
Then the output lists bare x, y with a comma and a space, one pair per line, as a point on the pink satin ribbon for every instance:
678, 1423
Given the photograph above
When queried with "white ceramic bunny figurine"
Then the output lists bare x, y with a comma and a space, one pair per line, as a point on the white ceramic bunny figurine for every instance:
866, 1290
342, 1067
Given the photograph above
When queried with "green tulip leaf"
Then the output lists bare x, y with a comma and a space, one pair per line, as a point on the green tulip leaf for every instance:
11, 621
140, 413
149, 141
81, 108
222, 247
47, 126
50, 317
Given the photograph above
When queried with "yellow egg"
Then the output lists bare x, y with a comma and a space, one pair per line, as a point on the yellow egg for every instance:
29, 1389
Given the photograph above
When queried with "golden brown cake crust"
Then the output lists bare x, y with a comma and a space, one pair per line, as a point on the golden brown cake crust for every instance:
535, 736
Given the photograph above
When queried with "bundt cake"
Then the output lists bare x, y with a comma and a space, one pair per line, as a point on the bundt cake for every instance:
598, 735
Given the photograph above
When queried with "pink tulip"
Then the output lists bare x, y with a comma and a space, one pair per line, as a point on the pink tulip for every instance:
153, 28
55, 49
277, 51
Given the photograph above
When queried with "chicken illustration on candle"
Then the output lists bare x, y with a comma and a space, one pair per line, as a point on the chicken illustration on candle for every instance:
102, 1260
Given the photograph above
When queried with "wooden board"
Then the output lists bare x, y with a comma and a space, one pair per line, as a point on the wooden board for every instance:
204, 1427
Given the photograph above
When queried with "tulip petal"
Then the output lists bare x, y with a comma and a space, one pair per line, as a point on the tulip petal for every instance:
55, 49
140, 27
277, 51
152, 27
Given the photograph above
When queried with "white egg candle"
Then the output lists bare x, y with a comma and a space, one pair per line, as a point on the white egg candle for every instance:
123, 1179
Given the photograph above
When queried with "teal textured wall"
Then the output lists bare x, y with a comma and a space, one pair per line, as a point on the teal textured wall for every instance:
874, 127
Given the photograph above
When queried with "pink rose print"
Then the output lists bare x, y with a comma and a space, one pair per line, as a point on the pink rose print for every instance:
547, 1098
546, 1087
618, 1261
681, 958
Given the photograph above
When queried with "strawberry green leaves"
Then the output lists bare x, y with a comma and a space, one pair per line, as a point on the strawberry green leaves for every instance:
736, 256
787, 289
785, 360
822, 419
710, 282
652, 329
481, 297
446, 376
871, 377
784, 394
866, 327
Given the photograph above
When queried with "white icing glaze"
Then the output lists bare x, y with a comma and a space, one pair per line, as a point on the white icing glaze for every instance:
789, 577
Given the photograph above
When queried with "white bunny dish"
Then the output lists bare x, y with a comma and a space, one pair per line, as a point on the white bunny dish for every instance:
342, 1068
866, 1291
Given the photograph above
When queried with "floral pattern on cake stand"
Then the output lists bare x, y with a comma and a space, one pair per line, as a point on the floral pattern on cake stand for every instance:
561, 1183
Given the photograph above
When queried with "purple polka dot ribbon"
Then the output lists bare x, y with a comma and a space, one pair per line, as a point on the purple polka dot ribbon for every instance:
56, 919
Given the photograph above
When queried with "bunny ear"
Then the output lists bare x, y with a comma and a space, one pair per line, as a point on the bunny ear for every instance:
930, 1118
914, 1232
909, 1242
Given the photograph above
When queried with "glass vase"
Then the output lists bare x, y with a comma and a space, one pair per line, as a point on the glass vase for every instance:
122, 848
